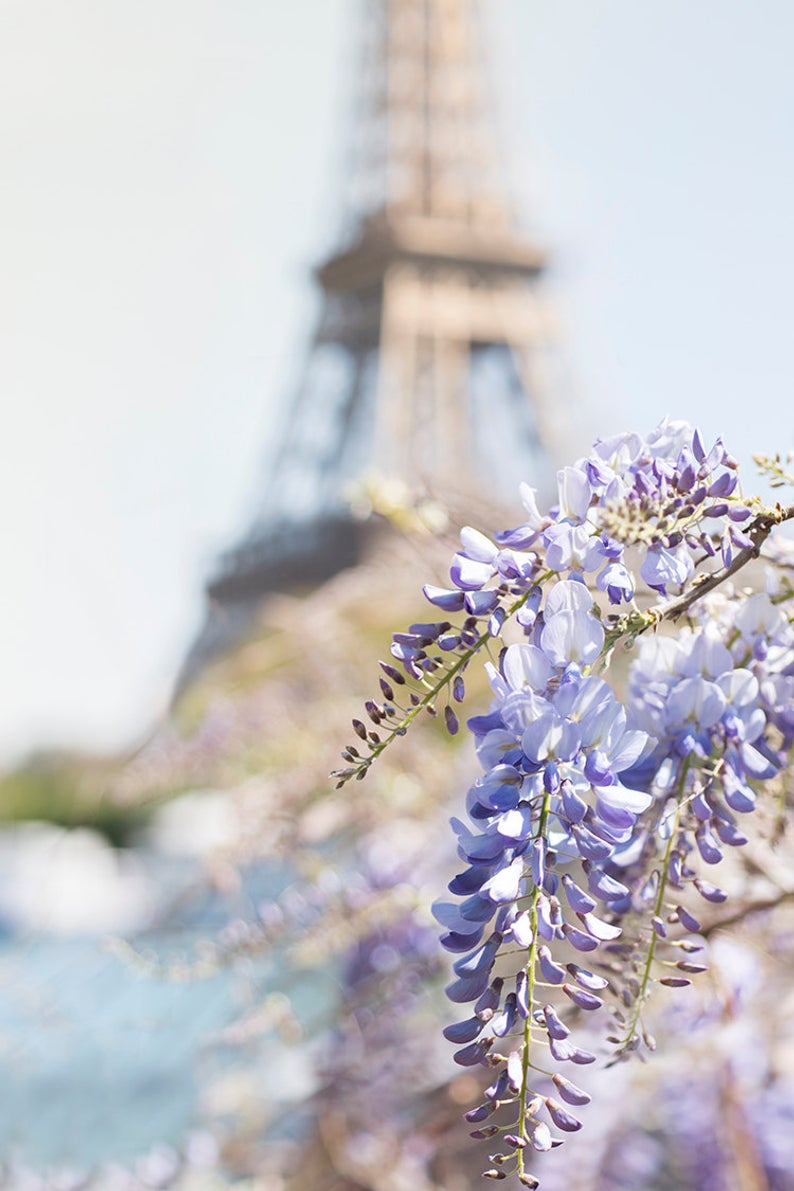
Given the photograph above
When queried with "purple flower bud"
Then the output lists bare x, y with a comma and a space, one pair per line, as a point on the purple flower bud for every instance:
540, 1137
496, 621
694, 969
589, 845
578, 900
579, 939
547, 925
458, 689
489, 1001
480, 603
675, 981
730, 834
570, 1093
582, 998
618, 819
481, 1134
557, 1029
463, 1031
467, 988
564, 1051
455, 941
538, 861
659, 927
504, 1023
700, 805
467, 882
480, 960
498, 1089
716, 456
550, 883
707, 845
451, 721
617, 581
599, 828
505, 884
738, 796
515, 1070
741, 540
561, 1117
710, 892
574, 806
586, 979
686, 919
686, 477
522, 989
505, 917
551, 777
597, 768
604, 886
392, 673
603, 931
521, 931
411, 641
550, 971
450, 601
534, 1105
481, 1113
723, 485
429, 630
476, 908
674, 869
473, 1055
407, 655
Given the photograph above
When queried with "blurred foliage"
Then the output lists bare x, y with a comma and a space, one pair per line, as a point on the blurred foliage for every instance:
69, 791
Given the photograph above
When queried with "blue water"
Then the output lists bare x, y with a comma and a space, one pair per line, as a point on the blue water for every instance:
101, 1060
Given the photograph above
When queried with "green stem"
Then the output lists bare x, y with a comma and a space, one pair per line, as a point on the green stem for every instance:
434, 689
530, 969
657, 912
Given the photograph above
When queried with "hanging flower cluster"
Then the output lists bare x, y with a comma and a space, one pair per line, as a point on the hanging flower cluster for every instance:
596, 818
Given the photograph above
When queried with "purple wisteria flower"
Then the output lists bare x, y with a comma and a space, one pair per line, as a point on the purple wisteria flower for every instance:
708, 696
554, 747
594, 819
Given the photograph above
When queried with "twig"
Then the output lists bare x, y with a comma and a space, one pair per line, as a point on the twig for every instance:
758, 531
738, 915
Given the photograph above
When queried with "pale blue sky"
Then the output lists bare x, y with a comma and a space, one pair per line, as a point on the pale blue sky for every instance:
168, 174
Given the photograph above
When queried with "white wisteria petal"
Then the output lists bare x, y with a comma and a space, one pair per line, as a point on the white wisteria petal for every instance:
526, 666
477, 546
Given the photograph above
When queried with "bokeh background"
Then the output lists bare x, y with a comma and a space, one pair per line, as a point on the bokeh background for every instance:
170, 173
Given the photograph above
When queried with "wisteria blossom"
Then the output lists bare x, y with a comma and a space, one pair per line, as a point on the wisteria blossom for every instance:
589, 842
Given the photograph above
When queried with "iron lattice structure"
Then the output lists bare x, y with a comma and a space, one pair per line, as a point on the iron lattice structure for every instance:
425, 362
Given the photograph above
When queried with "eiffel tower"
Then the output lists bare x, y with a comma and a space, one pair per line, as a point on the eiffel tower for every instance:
424, 363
